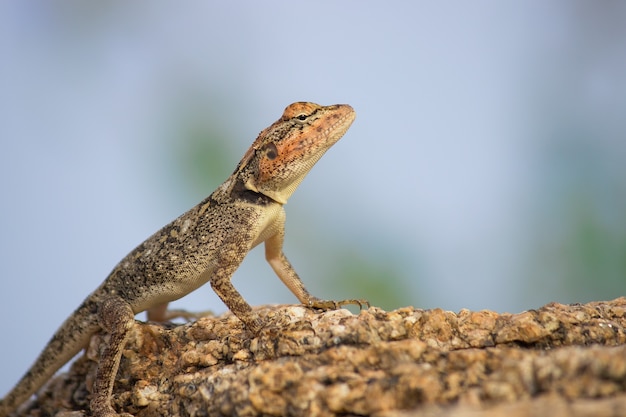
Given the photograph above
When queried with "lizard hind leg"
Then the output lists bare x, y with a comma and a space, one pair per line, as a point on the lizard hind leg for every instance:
116, 318
162, 314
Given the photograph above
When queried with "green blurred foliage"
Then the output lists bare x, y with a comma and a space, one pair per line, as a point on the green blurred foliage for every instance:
373, 276
578, 250
595, 255
201, 143
204, 154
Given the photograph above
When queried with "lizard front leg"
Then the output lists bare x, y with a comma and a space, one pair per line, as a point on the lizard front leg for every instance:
282, 267
117, 319
226, 262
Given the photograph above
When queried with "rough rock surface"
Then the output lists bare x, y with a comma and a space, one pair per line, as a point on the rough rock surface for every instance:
559, 360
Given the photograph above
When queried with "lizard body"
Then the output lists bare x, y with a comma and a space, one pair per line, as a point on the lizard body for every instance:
205, 244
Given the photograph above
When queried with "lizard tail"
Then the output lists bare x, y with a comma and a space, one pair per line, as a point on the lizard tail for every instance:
69, 339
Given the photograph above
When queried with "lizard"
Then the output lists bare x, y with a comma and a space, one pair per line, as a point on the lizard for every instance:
205, 244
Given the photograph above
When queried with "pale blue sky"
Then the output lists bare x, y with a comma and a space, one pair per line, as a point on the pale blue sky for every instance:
476, 125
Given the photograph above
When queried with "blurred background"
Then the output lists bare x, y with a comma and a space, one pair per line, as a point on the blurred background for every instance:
486, 168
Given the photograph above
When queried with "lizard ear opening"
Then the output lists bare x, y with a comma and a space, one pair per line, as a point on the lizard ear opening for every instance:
270, 150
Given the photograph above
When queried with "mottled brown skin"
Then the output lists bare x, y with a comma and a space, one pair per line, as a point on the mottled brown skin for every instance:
206, 244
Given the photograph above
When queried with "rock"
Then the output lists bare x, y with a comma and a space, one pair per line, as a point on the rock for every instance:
559, 360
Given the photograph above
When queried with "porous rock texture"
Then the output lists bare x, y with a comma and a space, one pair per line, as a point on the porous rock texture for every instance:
559, 360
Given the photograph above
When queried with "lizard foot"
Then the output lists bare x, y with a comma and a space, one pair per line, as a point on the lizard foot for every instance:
334, 305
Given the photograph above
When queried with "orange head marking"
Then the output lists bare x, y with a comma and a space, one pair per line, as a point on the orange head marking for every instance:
288, 149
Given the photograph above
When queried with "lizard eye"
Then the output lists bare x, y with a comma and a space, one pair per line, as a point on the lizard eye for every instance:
301, 116
270, 151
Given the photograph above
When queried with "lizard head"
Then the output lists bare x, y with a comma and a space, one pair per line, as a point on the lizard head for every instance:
285, 152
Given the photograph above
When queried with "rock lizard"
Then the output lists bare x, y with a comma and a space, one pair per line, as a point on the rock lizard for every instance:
205, 244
